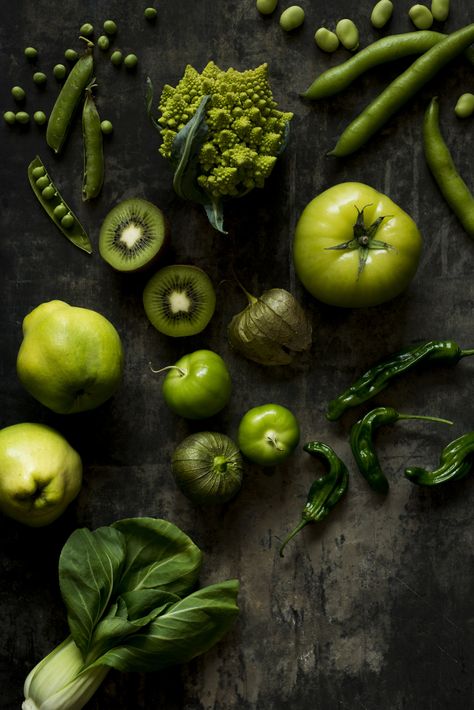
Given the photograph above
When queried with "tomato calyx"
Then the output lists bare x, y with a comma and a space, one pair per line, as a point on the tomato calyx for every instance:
363, 238
273, 441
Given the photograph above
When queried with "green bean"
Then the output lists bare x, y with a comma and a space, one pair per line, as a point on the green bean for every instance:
93, 152
150, 13
396, 94
9, 117
39, 117
86, 29
131, 61
31, 53
348, 34
110, 27
59, 71
266, 7
291, 18
106, 127
69, 97
116, 58
71, 55
103, 43
464, 106
440, 10
18, 93
421, 17
56, 208
39, 78
22, 117
452, 186
381, 13
326, 40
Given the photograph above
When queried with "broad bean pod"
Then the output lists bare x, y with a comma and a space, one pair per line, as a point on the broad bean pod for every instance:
399, 91
93, 177
452, 186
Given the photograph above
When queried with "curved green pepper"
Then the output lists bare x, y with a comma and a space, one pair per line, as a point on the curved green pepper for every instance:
455, 462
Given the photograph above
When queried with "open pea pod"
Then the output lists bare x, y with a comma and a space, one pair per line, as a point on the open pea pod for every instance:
55, 207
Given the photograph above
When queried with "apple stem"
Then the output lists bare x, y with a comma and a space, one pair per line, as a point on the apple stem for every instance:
168, 367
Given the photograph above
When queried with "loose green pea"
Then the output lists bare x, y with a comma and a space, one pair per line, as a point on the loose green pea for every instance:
131, 61
60, 210
9, 117
381, 13
39, 78
86, 29
18, 93
150, 13
38, 172
326, 40
22, 117
59, 71
71, 55
464, 106
291, 18
421, 17
43, 182
266, 7
103, 43
31, 53
48, 192
67, 221
39, 117
440, 10
106, 127
110, 27
348, 34
116, 58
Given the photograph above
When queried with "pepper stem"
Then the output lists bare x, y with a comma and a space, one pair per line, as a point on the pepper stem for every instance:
294, 532
425, 418
467, 353
168, 367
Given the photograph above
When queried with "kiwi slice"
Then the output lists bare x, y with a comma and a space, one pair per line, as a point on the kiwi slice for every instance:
179, 300
132, 234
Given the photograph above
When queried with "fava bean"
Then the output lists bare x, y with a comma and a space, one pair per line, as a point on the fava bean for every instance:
86, 29
116, 58
18, 93
150, 13
348, 34
291, 18
440, 10
93, 153
266, 7
9, 117
464, 106
103, 43
39, 117
31, 53
326, 40
59, 71
106, 127
39, 78
110, 27
381, 13
71, 55
22, 117
131, 61
421, 16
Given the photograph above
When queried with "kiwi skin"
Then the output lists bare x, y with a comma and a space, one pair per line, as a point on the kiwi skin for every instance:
176, 278
107, 232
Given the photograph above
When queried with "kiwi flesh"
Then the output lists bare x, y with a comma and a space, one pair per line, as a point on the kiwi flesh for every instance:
132, 235
179, 300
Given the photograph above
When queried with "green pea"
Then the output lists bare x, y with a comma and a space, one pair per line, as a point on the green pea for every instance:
67, 221
38, 172
59, 71
43, 181
86, 29
110, 27
71, 55
464, 106
326, 40
60, 210
9, 117
39, 78
48, 192
266, 7
381, 13
116, 58
348, 34
31, 53
39, 117
150, 13
131, 61
291, 18
420, 16
106, 127
22, 117
440, 10
103, 43
18, 93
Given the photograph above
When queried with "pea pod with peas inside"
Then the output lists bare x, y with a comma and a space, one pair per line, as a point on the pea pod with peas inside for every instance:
56, 208
456, 461
93, 177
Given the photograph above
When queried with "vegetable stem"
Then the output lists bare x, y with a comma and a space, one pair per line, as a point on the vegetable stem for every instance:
168, 367
422, 417
292, 534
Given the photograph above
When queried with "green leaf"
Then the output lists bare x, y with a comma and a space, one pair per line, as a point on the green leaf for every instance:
158, 556
90, 566
188, 628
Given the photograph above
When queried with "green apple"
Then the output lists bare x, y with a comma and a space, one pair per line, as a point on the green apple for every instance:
40, 473
71, 358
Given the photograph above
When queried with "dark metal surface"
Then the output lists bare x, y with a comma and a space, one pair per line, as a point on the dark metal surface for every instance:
371, 609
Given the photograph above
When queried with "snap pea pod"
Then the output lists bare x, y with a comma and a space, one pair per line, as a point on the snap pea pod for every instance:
362, 445
455, 462
93, 177
325, 491
56, 208
452, 186
68, 100
379, 376
399, 91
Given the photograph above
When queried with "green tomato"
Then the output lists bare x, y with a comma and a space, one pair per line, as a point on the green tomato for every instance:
354, 247
198, 385
268, 434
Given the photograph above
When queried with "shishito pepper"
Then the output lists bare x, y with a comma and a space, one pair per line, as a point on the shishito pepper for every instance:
456, 460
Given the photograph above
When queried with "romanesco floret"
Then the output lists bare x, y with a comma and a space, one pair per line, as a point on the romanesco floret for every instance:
246, 131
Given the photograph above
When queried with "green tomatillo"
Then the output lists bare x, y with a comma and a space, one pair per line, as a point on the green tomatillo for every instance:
268, 434
198, 385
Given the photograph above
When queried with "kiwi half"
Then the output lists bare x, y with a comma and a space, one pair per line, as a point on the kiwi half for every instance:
179, 300
132, 235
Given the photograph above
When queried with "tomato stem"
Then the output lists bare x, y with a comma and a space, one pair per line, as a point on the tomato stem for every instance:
168, 367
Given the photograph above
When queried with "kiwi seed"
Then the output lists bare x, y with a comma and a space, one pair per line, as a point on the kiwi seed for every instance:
179, 300
132, 235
